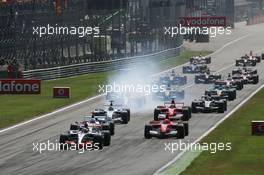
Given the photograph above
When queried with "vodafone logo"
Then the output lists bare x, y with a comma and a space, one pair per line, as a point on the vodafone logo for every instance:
19, 86
61, 92
203, 21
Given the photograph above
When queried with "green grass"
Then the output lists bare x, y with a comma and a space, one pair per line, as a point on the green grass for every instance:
247, 154
17, 108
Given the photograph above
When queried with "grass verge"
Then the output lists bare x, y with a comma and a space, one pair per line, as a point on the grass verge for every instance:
247, 154
18, 108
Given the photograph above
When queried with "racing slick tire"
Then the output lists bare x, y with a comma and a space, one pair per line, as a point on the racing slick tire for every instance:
240, 86
237, 63
262, 56
194, 110
254, 63
107, 138
63, 138
184, 70
258, 58
196, 80
180, 132
124, 117
209, 60
156, 114
128, 114
221, 107
147, 130
186, 129
98, 140
232, 95
187, 113
112, 128
255, 79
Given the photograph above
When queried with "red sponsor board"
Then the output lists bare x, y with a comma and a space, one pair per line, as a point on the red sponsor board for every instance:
257, 127
61, 92
203, 21
20, 86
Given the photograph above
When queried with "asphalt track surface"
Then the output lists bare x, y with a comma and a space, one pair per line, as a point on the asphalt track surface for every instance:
129, 152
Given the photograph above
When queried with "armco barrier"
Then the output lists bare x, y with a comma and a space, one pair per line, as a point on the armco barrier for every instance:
255, 20
78, 69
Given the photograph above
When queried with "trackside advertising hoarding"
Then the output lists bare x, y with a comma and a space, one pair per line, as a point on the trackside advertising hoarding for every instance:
203, 21
20, 86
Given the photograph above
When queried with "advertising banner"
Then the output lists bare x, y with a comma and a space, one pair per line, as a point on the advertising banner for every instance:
203, 21
20, 86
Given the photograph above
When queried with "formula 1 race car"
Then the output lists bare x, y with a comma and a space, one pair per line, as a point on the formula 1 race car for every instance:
206, 78
245, 70
246, 78
221, 92
200, 60
173, 79
231, 83
169, 93
246, 62
175, 111
82, 137
100, 116
209, 105
193, 68
166, 128
118, 115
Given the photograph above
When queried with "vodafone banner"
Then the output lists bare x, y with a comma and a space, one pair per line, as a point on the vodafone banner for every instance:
203, 21
20, 86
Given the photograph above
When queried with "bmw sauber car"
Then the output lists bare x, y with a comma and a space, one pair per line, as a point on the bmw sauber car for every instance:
165, 128
207, 78
208, 105
194, 69
200, 60
246, 78
222, 92
82, 137
173, 111
118, 115
245, 71
173, 79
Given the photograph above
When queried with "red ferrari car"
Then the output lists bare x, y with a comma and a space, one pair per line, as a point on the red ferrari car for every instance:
175, 111
166, 128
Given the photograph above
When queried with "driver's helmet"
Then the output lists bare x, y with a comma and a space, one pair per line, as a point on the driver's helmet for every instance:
166, 121
173, 71
110, 108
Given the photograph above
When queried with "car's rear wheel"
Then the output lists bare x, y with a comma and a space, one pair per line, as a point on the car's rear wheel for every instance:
147, 132
181, 132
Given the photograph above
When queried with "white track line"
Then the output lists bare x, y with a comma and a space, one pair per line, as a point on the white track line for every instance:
87, 100
207, 132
